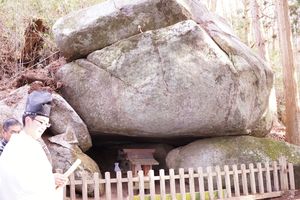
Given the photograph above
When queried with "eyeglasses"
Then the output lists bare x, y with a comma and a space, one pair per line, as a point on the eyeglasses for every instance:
14, 132
47, 124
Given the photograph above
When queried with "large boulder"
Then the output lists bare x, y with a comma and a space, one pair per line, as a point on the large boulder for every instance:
64, 150
233, 150
238, 52
62, 114
96, 27
175, 81
268, 119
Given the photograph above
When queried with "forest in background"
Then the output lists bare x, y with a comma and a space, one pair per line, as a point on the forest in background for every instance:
239, 14
244, 16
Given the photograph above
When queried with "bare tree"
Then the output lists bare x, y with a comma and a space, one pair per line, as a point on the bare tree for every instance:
246, 21
289, 73
213, 5
257, 29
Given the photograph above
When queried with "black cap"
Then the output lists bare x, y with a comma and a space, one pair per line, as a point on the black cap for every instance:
38, 103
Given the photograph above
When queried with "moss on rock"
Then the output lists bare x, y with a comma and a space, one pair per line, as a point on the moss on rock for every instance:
233, 150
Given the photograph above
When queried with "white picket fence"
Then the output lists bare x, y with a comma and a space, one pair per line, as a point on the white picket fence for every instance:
257, 181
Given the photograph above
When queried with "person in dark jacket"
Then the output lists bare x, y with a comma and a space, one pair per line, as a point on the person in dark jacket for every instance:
10, 126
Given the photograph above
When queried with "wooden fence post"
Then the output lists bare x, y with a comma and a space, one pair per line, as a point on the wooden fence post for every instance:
107, 186
172, 184
192, 183
227, 181
201, 183
275, 176
119, 186
84, 186
96, 186
162, 184
244, 180
236, 181
268, 177
291, 176
252, 179
130, 185
283, 174
219, 182
182, 183
260, 179
151, 184
72, 187
210, 183
141, 184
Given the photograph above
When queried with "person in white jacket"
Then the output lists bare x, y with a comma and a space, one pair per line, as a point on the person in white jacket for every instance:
25, 171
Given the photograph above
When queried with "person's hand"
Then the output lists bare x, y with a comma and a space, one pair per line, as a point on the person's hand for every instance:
60, 180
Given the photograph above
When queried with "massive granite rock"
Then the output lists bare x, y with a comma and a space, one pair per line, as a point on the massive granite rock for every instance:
93, 28
175, 81
237, 51
62, 114
268, 119
233, 150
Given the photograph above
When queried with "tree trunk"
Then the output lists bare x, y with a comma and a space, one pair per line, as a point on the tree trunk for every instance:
224, 11
274, 38
246, 21
289, 72
259, 40
213, 5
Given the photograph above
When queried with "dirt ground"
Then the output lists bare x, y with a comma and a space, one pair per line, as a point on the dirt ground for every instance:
291, 195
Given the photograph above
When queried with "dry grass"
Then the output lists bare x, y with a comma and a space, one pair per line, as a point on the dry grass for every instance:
15, 15
8, 54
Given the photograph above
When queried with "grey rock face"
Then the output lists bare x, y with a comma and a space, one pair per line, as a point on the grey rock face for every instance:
175, 81
233, 150
13, 105
96, 27
265, 123
63, 115
64, 150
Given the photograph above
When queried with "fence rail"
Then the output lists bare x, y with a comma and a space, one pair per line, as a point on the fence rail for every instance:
254, 181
